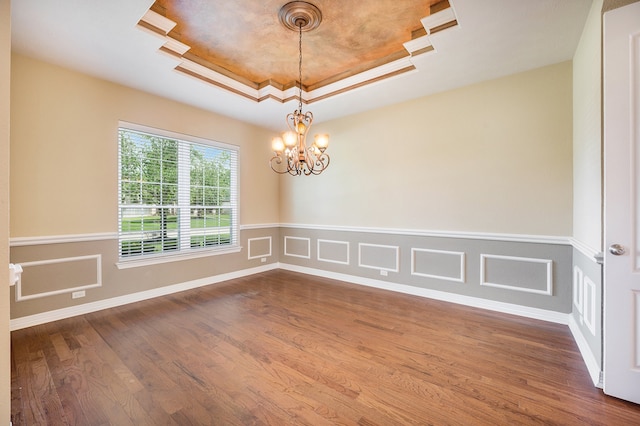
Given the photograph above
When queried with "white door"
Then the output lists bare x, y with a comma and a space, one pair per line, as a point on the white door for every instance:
622, 202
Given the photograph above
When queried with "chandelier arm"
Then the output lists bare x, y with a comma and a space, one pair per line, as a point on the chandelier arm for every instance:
320, 162
322, 159
278, 161
316, 163
291, 121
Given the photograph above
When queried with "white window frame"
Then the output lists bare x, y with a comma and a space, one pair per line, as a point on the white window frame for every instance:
184, 251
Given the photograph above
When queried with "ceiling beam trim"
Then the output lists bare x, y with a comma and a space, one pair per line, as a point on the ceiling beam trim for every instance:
438, 20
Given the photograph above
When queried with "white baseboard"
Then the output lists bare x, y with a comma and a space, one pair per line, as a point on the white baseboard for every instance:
590, 361
58, 314
507, 308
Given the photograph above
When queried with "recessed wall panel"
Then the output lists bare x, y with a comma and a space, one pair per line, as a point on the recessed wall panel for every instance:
57, 276
333, 251
590, 305
636, 332
297, 247
578, 287
381, 257
259, 247
524, 274
444, 265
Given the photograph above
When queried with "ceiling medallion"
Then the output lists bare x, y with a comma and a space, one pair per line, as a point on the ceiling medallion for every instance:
300, 15
291, 153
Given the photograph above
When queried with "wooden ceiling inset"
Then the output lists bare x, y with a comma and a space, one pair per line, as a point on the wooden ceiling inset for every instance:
241, 45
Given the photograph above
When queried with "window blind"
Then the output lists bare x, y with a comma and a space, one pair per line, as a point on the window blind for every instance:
176, 193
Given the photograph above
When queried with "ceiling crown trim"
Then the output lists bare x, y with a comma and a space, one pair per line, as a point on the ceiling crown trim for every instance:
442, 17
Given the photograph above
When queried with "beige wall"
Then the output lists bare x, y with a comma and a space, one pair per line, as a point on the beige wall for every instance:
64, 150
587, 133
64, 172
5, 73
494, 157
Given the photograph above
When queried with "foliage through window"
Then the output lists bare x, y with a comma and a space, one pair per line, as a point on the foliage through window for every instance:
176, 194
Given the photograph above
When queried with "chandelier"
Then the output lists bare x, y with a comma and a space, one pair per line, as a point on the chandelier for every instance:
291, 153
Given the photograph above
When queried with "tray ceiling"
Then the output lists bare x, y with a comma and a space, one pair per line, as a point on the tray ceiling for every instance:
244, 41
246, 38
236, 59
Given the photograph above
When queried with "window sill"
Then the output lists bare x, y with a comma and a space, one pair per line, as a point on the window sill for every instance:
166, 258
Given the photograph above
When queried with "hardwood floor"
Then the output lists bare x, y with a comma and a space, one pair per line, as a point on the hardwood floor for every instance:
284, 348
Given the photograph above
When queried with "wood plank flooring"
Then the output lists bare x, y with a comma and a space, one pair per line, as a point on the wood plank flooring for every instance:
281, 348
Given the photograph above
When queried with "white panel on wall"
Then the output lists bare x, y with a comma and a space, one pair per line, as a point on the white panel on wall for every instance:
590, 305
440, 264
517, 273
578, 279
297, 247
259, 247
62, 276
636, 336
333, 251
380, 257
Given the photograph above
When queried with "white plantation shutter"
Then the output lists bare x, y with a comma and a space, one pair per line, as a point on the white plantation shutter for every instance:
177, 193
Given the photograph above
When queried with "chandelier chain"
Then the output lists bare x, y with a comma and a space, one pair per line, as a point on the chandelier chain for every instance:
300, 67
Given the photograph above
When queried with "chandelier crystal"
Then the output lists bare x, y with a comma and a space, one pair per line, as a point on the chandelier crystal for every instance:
291, 153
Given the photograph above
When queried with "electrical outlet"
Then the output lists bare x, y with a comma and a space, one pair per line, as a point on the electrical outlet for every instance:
263, 260
77, 294
384, 273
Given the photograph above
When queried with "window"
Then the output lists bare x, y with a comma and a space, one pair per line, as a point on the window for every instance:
177, 194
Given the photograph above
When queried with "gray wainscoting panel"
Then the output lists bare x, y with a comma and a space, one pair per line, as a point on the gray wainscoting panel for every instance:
440, 264
259, 247
528, 275
578, 289
297, 247
48, 277
380, 257
53, 269
533, 274
587, 298
590, 306
587, 308
333, 251
446, 264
